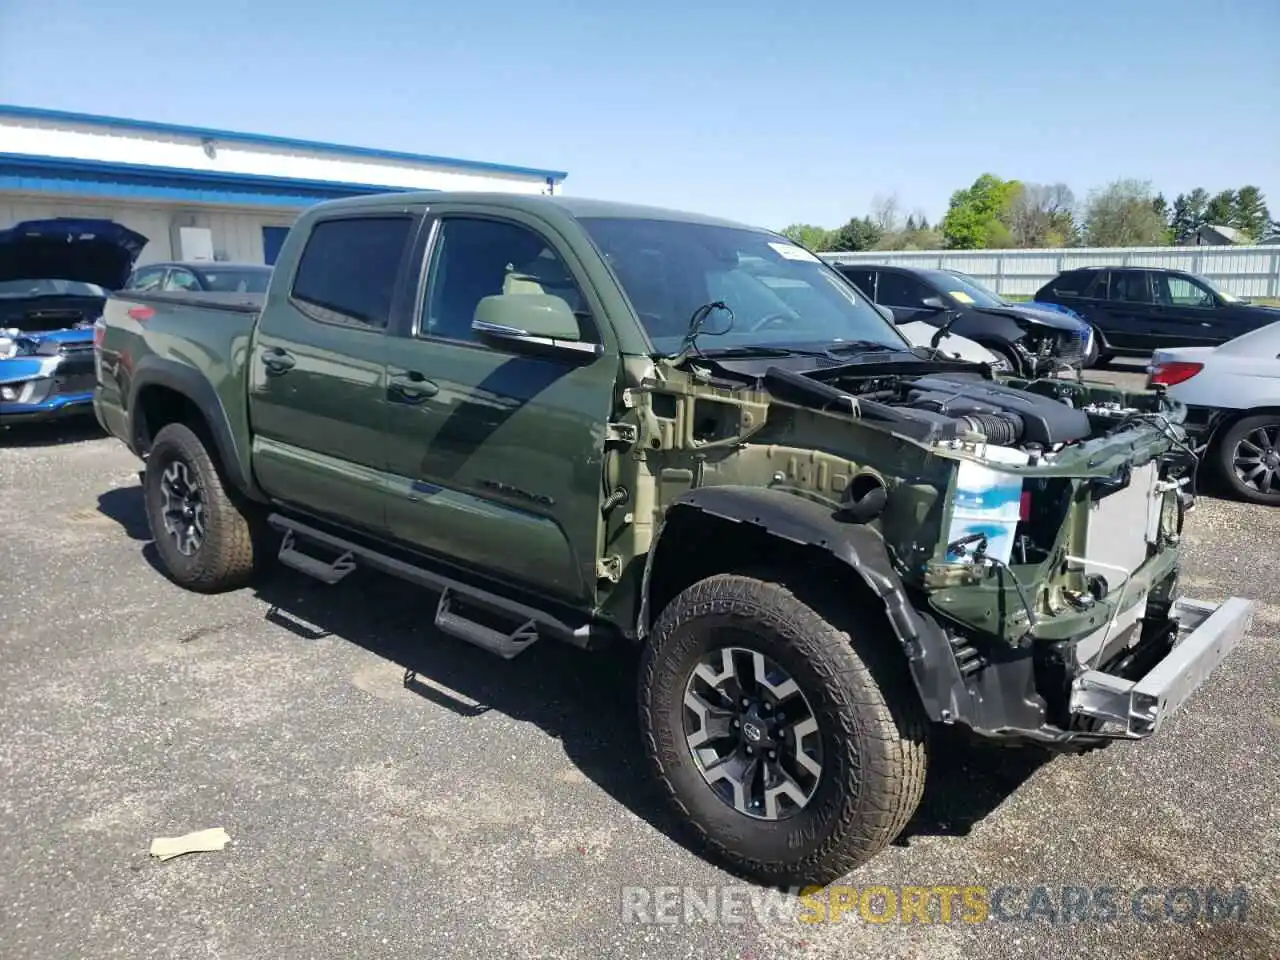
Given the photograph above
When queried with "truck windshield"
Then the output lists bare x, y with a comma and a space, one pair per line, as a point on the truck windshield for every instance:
780, 294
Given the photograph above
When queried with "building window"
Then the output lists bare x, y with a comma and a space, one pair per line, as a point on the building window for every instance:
272, 240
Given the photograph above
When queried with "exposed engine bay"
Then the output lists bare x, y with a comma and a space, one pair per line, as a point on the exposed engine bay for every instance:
949, 406
42, 312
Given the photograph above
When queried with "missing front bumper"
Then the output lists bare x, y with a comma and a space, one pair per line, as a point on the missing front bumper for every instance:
1206, 633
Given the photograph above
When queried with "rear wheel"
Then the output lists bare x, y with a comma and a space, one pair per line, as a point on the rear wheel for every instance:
793, 745
206, 541
1248, 458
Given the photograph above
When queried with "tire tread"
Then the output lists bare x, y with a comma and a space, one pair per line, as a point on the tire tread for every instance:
877, 703
229, 555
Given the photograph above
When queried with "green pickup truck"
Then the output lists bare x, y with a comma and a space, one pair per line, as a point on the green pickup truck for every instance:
599, 423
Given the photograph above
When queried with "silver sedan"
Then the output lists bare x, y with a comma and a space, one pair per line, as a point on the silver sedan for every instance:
1233, 395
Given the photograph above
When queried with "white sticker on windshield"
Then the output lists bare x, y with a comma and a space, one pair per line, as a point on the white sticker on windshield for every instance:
961, 296
790, 251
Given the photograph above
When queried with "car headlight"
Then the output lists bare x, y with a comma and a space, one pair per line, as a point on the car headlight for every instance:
13, 344
1036, 337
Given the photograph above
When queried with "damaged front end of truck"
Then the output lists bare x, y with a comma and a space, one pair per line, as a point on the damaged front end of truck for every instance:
1056, 579
1022, 535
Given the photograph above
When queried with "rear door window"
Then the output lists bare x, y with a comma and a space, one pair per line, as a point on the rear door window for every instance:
864, 280
1130, 286
1077, 283
900, 290
148, 278
348, 269
179, 279
1098, 289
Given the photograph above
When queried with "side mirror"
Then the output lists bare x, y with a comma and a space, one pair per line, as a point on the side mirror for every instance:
530, 323
885, 312
933, 303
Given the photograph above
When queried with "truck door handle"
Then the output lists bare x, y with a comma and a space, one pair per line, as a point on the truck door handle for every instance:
411, 387
277, 361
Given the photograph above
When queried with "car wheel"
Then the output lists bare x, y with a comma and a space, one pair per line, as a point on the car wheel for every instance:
206, 542
793, 744
1248, 455
1012, 365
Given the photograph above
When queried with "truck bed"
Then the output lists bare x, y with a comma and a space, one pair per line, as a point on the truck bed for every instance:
235, 302
188, 337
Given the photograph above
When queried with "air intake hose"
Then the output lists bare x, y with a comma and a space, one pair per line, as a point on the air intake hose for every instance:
1000, 429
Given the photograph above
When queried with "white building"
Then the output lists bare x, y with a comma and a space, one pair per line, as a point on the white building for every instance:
207, 194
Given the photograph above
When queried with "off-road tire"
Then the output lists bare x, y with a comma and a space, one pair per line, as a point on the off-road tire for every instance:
873, 731
228, 555
1224, 457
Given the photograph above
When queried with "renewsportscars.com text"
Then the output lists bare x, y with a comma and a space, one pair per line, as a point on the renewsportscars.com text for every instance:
936, 904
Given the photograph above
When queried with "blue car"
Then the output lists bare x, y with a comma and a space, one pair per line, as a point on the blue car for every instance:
1090, 340
54, 275
1090, 346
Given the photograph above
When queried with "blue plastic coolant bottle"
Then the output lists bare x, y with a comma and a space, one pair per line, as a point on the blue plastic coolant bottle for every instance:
987, 501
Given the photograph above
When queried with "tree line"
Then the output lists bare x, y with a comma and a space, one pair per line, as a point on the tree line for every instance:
998, 214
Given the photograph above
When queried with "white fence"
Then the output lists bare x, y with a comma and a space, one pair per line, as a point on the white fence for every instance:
1247, 271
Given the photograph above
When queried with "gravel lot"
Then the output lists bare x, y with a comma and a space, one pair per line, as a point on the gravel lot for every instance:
392, 793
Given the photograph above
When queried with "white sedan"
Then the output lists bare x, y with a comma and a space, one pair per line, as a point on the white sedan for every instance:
1233, 397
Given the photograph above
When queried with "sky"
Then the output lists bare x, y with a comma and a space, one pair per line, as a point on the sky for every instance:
763, 111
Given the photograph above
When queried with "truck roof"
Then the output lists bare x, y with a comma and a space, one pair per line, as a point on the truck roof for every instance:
573, 206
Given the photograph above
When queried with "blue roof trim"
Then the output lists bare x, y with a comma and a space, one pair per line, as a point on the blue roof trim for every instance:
36, 113
81, 188
139, 181
127, 181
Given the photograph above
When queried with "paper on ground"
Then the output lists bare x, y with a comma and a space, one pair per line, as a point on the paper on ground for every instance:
202, 841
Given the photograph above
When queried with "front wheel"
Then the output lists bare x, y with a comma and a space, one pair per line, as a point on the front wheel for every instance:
1012, 365
793, 745
1248, 458
206, 541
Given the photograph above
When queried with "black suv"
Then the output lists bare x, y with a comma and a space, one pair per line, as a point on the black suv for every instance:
1032, 342
1134, 310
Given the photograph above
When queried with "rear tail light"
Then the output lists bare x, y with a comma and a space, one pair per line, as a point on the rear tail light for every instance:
141, 314
99, 333
1173, 372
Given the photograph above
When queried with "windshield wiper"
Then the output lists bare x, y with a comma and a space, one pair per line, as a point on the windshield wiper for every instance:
863, 346
760, 350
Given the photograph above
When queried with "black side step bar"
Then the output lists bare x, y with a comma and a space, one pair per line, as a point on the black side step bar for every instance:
506, 645
528, 624
326, 571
